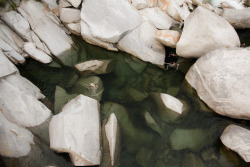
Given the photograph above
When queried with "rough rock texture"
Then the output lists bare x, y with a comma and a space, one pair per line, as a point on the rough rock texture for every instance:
156, 16
47, 28
205, 31
109, 20
19, 104
70, 15
6, 67
88, 37
234, 3
237, 18
141, 44
36, 54
77, 130
222, 87
14, 140
167, 37
173, 9
237, 139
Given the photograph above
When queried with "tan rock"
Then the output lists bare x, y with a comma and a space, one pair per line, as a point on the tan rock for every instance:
167, 37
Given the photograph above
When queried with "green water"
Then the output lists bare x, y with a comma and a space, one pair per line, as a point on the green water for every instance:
129, 86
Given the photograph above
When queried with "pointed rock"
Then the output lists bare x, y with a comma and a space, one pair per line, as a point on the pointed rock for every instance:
167, 37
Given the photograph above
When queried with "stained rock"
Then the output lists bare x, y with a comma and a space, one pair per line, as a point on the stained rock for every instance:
205, 31
141, 44
109, 20
238, 18
224, 89
69, 15
237, 139
76, 130
6, 67
167, 37
155, 15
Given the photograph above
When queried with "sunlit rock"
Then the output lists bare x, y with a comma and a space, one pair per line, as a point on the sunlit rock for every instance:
9, 52
234, 3
144, 157
237, 18
36, 54
14, 140
192, 160
20, 106
142, 44
194, 139
205, 31
109, 20
111, 132
51, 4
237, 139
70, 15
139, 4
6, 67
167, 37
216, 10
173, 8
152, 3
48, 29
64, 4
88, 37
76, 130
133, 137
93, 67
40, 45
225, 89
75, 3
152, 124
155, 15
170, 108
91, 86
61, 98
75, 28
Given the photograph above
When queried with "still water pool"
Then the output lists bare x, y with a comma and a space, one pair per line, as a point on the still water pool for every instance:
192, 141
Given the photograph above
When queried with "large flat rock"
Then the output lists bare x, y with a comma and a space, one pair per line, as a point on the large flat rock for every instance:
6, 67
222, 87
205, 31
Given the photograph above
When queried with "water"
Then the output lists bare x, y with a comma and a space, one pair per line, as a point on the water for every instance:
129, 87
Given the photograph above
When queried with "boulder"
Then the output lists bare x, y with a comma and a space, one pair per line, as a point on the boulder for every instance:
6, 67
95, 67
234, 3
216, 10
139, 4
70, 15
167, 37
194, 139
48, 29
20, 106
14, 140
237, 139
88, 37
238, 18
76, 130
51, 4
75, 3
36, 54
205, 31
109, 20
170, 108
173, 9
156, 16
75, 28
141, 43
224, 89
152, 3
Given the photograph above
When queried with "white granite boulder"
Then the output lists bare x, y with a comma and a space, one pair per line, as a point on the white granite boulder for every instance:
14, 140
139, 4
76, 130
70, 15
6, 67
238, 18
75, 3
234, 3
205, 31
167, 37
237, 139
220, 85
109, 20
156, 16
141, 43
36, 54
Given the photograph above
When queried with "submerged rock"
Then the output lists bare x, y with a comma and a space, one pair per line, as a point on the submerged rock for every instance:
6, 67
237, 139
192, 160
109, 20
167, 37
14, 140
205, 31
152, 124
76, 130
224, 89
237, 18
144, 157
228, 158
141, 43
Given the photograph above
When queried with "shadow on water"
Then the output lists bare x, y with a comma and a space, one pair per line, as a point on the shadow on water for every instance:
193, 139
